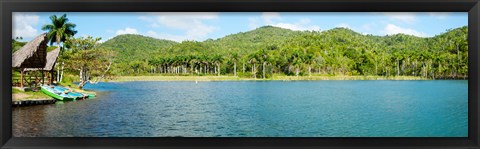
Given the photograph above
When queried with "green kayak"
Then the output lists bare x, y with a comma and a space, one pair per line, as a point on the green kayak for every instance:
56, 94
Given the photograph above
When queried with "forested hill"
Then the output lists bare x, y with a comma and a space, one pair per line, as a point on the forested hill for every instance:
254, 39
338, 51
136, 42
247, 41
133, 47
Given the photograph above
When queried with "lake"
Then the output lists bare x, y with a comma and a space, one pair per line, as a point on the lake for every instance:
256, 109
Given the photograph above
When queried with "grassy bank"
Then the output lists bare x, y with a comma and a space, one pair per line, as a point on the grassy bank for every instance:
21, 95
67, 81
232, 78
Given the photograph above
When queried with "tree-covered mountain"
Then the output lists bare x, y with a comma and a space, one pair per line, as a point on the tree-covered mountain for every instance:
247, 42
271, 50
136, 46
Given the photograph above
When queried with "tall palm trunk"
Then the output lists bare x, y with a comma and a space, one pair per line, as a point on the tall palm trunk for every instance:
296, 71
196, 70
235, 69
309, 70
205, 69
61, 75
289, 68
253, 71
398, 68
80, 76
243, 68
263, 70
219, 69
58, 73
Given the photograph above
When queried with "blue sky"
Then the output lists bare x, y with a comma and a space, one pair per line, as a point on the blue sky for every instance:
205, 25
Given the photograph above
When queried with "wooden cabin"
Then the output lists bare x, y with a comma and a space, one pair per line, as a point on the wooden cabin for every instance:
48, 70
31, 55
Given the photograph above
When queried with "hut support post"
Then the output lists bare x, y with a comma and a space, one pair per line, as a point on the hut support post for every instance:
51, 77
21, 78
43, 77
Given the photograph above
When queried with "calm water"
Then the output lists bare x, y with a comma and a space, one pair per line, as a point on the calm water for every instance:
273, 108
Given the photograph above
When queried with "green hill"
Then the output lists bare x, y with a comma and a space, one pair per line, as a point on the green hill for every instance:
255, 39
136, 46
339, 51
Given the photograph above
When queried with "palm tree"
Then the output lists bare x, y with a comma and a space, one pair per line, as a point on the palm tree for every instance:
253, 60
319, 60
297, 61
264, 57
217, 60
59, 31
193, 64
310, 60
205, 61
235, 58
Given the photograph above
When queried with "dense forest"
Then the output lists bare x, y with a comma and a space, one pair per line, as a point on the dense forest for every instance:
269, 50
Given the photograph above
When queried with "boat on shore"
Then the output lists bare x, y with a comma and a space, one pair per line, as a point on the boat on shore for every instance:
63, 93
71, 92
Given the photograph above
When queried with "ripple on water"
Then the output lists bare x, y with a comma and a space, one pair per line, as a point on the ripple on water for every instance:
252, 109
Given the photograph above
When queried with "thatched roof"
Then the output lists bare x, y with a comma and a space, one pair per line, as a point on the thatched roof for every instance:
52, 57
32, 55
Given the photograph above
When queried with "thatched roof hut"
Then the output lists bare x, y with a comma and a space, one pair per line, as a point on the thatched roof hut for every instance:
32, 55
52, 57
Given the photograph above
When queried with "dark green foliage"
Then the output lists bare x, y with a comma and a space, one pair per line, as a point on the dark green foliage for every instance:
60, 29
16, 45
134, 50
271, 50
130, 42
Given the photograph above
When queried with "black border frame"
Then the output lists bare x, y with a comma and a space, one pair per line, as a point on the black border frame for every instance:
470, 6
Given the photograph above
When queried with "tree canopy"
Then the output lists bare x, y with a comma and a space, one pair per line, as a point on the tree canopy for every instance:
268, 50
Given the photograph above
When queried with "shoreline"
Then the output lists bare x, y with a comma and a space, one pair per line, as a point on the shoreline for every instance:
38, 96
275, 78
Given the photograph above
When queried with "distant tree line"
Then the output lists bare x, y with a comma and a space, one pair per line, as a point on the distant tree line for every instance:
270, 50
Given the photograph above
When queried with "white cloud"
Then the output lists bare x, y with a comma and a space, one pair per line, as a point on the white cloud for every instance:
127, 30
391, 29
270, 17
299, 26
407, 17
439, 15
105, 39
274, 19
23, 25
177, 38
365, 33
253, 23
344, 25
192, 24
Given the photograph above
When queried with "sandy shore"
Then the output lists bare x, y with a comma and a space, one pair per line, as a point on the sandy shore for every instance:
279, 78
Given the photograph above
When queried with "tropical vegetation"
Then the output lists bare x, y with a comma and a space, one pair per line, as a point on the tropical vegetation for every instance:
264, 53
268, 51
